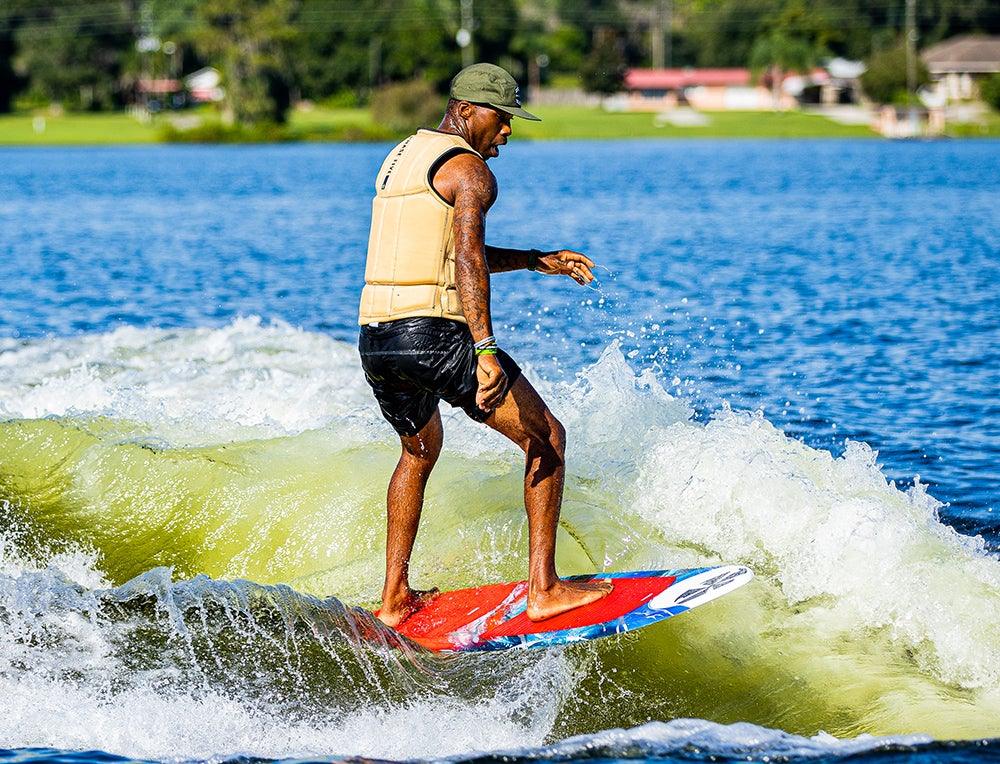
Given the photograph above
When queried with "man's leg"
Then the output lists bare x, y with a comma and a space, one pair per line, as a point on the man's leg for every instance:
404, 502
524, 418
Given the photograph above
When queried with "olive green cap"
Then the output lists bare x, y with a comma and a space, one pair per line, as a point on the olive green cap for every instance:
490, 85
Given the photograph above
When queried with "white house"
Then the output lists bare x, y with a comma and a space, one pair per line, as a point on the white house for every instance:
958, 63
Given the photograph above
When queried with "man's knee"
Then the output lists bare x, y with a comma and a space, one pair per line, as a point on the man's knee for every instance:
557, 437
548, 440
423, 449
423, 454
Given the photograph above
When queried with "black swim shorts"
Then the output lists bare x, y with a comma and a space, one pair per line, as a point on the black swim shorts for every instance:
412, 363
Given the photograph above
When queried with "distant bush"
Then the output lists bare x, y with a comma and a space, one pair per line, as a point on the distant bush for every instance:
217, 132
884, 81
31, 100
989, 90
402, 107
342, 99
603, 70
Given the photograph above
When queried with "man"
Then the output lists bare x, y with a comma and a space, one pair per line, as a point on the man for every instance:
426, 332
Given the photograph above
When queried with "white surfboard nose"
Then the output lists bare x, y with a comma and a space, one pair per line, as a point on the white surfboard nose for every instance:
701, 588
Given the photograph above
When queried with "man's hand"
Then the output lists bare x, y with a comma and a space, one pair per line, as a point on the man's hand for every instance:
492, 382
569, 263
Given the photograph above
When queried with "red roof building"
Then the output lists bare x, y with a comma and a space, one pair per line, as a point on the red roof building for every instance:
678, 79
702, 89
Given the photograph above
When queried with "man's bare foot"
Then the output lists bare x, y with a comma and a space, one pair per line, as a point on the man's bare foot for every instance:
397, 609
592, 584
563, 596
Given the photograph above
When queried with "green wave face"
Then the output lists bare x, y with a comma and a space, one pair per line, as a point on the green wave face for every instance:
309, 511
301, 510
866, 615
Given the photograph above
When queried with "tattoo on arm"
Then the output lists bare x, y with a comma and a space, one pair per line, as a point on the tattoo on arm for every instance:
500, 259
473, 198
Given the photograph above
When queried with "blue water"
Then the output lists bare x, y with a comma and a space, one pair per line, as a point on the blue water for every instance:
849, 289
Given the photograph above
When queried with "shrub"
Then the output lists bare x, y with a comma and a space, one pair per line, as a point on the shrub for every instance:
402, 107
217, 132
342, 99
884, 81
989, 89
603, 71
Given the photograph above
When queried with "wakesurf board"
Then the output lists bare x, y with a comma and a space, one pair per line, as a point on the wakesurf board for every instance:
493, 617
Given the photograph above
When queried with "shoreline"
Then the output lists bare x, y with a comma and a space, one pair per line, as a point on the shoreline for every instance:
355, 125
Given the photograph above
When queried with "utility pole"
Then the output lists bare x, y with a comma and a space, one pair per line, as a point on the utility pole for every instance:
656, 35
668, 14
464, 36
374, 62
911, 62
659, 33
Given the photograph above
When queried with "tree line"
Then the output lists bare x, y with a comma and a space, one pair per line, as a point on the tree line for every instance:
92, 54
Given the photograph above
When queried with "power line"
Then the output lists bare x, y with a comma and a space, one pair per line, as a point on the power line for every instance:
95, 23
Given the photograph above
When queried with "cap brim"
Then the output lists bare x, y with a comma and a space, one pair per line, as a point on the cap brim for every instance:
516, 111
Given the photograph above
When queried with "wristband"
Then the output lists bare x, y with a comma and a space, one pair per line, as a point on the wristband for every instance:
487, 351
485, 342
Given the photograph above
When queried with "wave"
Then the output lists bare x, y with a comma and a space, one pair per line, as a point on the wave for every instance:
180, 460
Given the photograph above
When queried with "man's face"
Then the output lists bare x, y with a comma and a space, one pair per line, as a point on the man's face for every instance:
489, 128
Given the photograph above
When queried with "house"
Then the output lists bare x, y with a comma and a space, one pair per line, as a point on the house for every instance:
903, 122
841, 83
708, 89
958, 63
204, 85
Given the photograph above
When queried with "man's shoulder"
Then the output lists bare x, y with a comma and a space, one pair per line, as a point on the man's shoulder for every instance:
468, 174
470, 164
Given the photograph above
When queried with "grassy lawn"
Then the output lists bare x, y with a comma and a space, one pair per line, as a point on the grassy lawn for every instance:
577, 122
989, 128
351, 124
74, 129
559, 122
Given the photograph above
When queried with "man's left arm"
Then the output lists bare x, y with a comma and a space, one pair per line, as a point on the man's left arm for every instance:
564, 262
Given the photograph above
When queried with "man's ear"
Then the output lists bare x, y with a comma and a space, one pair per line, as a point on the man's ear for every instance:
465, 109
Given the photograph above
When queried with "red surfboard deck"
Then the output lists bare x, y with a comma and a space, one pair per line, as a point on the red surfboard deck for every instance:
493, 617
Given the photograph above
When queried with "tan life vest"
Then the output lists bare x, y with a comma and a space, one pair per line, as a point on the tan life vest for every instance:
410, 269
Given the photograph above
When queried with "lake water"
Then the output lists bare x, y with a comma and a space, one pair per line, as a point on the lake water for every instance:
791, 360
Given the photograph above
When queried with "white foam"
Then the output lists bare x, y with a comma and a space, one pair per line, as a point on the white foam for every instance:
66, 684
832, 527
242, 380
845, 552
741, 740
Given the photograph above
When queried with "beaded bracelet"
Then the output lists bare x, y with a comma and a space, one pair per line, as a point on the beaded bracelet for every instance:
486, 342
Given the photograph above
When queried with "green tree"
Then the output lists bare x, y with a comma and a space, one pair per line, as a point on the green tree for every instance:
566, 47
884, 81
796, 40
174, 21
75, 53
783, 52
497, 23
940, 19
338, 46
10, 83
592, 17
722, 32
604, 69
418, 40
249, 40
989, 90
405, 106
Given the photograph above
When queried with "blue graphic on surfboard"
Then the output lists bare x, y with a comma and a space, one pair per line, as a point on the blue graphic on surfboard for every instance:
493, 617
